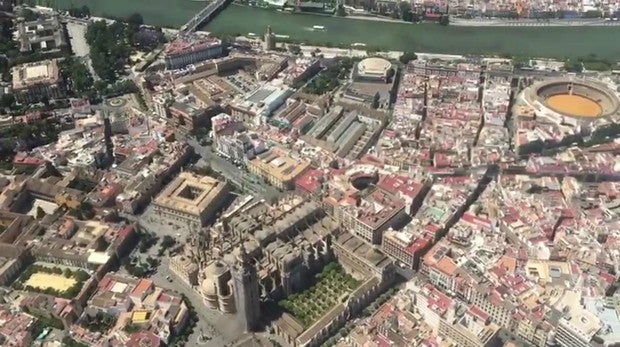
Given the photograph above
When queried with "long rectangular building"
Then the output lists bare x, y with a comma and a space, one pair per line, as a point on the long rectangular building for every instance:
323, 124
185, 51
340, 128
349, 138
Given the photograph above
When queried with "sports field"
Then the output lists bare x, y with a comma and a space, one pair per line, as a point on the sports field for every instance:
43, 281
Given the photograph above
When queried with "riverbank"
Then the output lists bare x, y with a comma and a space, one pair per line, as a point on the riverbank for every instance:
547, 41
480, 22
163, 13
553, 42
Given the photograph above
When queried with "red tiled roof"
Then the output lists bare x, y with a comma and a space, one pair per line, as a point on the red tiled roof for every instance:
437, 301
404, 185
473, 219
24, 159
419, 244
143, 339
105, 283
432, 228
478, 312
125, 231
142, 286
310, 180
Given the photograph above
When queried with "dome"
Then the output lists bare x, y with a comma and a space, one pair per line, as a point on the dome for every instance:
208, 286
212, 274
216, 269
374, 66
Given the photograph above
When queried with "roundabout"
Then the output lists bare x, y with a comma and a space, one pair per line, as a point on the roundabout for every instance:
116, 102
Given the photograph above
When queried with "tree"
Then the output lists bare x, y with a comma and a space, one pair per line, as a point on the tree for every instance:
406, 57
340, 11
85, 11
405, 11
375, 100
79, 76
28, 14
50, 170
153, 263
131, 328
109, 50
40, 213
573, 65
167, 242
69, 342
135, 19
7, 100
444, 20
101, 86
294, 49
81, 12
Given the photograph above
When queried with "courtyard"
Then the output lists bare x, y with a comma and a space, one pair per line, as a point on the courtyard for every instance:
332, 286
43, 281
53, 280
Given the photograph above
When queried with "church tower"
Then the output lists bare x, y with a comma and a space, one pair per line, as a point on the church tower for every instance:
105, 158
107, 134
247, 293
270, 39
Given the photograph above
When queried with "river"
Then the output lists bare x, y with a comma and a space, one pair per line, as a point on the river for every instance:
426, 37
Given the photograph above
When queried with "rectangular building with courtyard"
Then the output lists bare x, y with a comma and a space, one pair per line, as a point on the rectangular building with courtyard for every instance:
34, 81
191, 199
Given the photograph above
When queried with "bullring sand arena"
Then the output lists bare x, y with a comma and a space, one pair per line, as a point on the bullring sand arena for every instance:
565, 97
574, 105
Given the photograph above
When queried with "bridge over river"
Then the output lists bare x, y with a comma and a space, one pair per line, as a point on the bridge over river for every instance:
202, 17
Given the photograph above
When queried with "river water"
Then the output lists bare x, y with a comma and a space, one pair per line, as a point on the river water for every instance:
428, 37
